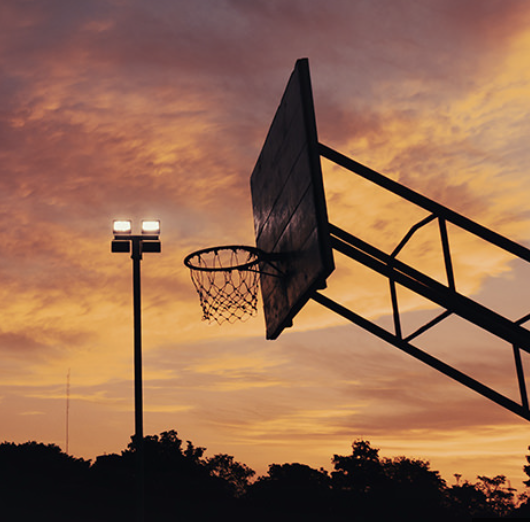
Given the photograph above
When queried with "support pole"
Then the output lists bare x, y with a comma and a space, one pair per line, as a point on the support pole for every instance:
138, 397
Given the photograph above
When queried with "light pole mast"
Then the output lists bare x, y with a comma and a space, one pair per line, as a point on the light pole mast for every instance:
148, 241
138, 383
137, 303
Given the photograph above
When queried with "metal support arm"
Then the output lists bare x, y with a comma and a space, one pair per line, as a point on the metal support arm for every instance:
444, 295
433, 362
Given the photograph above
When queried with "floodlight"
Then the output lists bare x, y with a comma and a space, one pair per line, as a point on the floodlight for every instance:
122, 227
151, 227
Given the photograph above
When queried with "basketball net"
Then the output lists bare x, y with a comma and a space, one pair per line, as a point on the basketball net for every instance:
227, 281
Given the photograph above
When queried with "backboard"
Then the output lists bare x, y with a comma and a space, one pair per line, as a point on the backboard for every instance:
290, 216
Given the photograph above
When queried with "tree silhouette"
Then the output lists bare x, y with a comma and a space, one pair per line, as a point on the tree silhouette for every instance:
177, 479
40, 479
414, 491
465, 501
367, 486
290, 491
359, 482
236, 476
499, 496
40, 482
523, 510
361, 472
526, 469
489, 497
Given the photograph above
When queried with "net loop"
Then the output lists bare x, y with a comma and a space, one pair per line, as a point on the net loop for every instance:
227, 281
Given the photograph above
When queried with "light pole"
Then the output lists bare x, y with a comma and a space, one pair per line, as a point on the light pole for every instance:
147, 241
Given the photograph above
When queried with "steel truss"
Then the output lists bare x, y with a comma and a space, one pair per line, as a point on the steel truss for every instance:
444, 295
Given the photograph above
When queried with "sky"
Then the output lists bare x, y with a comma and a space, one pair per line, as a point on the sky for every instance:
129, 109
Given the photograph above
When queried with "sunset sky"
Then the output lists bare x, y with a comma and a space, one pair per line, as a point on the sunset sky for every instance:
158, 109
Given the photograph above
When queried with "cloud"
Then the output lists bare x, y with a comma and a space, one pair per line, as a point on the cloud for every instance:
18, 344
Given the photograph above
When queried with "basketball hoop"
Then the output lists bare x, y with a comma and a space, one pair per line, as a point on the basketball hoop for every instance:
227, 280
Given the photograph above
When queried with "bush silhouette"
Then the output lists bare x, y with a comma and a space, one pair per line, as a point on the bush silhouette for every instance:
40, 482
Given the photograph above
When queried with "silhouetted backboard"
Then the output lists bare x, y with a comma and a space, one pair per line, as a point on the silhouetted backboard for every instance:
290, 216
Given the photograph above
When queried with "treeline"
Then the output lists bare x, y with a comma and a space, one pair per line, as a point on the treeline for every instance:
40, 482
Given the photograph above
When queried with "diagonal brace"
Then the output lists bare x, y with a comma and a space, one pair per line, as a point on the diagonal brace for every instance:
429, 288
419, 354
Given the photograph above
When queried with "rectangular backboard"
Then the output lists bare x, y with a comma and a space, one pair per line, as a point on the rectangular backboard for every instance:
290, 215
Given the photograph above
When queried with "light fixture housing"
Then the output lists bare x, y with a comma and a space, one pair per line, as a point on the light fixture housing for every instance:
151, 227
122, 226
121, 246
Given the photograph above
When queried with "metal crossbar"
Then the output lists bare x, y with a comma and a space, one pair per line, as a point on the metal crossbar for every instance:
444, 295
433, 362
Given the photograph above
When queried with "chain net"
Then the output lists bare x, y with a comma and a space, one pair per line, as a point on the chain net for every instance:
226, 292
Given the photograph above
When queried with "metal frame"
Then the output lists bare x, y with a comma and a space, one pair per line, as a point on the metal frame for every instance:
444, 295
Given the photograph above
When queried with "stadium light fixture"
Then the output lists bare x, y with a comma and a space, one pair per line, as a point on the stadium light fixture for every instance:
151, 227
147, 241
121, 226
